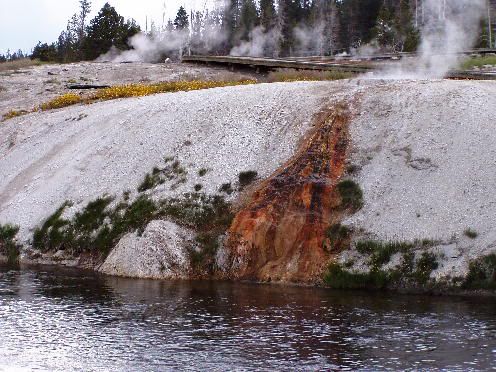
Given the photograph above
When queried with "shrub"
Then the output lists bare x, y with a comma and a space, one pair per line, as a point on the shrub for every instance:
339, 278
482, 273
424, 266
245, 178
8, 246
202, 172
337, 234
227, 188
198, 187
351, 195
472, 234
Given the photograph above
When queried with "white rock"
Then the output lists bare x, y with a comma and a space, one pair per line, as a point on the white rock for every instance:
159, 253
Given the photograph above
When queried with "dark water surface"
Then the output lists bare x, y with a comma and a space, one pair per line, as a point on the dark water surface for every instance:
75, 321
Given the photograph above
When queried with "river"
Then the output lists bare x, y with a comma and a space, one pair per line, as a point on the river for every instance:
70, 320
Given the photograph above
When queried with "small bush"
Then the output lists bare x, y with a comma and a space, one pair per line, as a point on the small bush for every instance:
424, 266
339, 278
65, 100
245, 178
227, 188
337, 234
198, 187
472, 234
482, 273
8, 246
202, 172
351, 195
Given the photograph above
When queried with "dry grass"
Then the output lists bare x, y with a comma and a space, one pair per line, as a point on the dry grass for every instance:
289, 75
130, 90
13, 113
19, 64
65, 100
139, 90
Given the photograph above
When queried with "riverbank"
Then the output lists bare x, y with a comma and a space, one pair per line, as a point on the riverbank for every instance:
347, 184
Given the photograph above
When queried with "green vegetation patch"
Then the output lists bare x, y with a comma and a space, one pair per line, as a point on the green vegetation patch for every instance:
479, 62
158, 176
246, 178
411, 272
482, 273
470, 233
338, 234
351, 195
8, 245
99, 226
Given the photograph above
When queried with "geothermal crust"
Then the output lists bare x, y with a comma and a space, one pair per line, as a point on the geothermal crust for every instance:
423, 154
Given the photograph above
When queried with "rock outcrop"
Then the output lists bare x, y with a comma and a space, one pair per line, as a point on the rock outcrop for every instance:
281, 234
160, 252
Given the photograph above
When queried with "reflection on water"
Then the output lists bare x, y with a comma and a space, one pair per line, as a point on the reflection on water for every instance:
71, 320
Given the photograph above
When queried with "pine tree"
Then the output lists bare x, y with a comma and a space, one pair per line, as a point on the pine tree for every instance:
181, 22
108, 29
248, 19
267, 14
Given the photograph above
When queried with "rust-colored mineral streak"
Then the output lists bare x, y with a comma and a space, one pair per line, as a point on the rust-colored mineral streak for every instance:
280, 235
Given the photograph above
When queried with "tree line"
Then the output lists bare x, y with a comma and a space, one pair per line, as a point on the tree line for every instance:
262, 27
83, 40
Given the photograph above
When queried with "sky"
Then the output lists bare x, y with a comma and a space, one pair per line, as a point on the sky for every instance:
25, 22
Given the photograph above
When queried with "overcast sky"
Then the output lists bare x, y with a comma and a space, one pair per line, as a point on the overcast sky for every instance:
25, 22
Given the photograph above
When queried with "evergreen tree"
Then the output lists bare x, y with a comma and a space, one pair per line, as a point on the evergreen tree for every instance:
248, 19
181, 22
267, 14
108, 29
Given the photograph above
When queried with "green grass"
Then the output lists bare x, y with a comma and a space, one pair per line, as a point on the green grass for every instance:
351, 195
8, 246
482, 273
478, 62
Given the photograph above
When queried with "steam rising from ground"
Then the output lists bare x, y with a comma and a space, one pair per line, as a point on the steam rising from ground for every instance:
450, 27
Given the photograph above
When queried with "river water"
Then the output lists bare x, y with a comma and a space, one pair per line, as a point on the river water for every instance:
67, 320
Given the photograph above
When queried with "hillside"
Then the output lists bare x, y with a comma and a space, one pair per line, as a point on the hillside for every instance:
250, 182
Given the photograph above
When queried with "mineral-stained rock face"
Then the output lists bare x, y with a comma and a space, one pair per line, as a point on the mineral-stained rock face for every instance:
159, 253
280, 234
